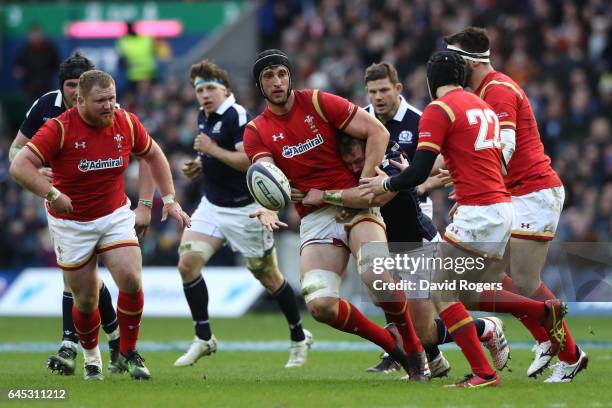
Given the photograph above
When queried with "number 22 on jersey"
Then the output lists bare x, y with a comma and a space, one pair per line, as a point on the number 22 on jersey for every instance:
485, 117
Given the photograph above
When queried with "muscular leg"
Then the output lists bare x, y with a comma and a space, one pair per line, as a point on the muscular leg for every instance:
322, 267
265, 269
84, 284
194, 252
124, 264
525, 272
393, 303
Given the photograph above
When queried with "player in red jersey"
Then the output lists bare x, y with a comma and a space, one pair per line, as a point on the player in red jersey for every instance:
464, 129
88, 149
537, 194
297, 132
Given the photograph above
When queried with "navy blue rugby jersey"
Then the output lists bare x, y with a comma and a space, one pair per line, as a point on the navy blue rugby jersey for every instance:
48, 106
403, 216
223, 185
403, 129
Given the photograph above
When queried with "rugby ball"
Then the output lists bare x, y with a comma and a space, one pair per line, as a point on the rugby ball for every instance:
268, 185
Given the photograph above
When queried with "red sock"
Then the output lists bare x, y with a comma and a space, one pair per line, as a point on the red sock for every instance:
87, 326
534, 326
350, 320
508, 302
129, 312
399, 314
568, 353
461, 326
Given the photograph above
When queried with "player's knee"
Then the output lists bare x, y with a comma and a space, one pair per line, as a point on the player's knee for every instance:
194, 254
323, 310
86, 302
190, 266
321, 291
265, 269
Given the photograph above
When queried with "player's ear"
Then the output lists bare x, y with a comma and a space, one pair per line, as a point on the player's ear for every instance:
399, 87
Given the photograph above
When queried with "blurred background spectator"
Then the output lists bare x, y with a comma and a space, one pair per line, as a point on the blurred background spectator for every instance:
560, 51
37, 64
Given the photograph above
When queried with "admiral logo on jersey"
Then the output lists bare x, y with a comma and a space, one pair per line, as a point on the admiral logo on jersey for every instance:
309, 144
91, 165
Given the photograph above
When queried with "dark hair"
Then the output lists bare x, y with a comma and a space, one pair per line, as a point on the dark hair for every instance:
270, 58
445, 68
73, 67
381, 70
346, 143
471, 39
209, 70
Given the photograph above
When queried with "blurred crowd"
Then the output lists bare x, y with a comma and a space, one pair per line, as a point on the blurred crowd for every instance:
559, 51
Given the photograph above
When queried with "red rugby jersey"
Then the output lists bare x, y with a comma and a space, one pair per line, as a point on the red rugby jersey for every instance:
302, 142
529, 169
88, 163
465, 130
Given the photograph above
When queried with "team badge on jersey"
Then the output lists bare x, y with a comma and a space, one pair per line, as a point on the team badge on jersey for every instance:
217, 127
309, 120
405, 136
119, 139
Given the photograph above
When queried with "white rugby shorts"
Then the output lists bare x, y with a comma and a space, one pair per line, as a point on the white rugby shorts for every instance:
482, 229
321, 227
536, 215
76, 242
427, 207
233, 225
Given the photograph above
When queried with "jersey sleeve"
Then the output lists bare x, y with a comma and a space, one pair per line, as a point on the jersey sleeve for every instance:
253, 145
141, 143
334, 109
505, 101
434, 124
33, 120
47, 141
241, 122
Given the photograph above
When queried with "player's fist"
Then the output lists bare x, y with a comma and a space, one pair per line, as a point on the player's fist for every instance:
203, 143
63, 204
192, 168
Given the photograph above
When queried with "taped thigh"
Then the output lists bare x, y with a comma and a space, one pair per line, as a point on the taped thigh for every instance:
263, 266
201, 248
366, 261
320, 283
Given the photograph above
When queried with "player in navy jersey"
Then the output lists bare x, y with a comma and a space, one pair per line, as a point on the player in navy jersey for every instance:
223, 215
48, 106
399, 117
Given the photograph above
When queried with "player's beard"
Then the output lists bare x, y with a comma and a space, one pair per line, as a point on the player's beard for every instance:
100, 121
281, 102
468, 75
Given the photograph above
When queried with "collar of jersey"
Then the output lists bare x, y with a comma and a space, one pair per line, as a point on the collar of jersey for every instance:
231, 100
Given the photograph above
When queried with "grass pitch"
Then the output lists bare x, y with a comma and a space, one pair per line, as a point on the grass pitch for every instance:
258, 379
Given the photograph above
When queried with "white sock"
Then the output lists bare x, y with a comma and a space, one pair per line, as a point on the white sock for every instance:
489, 325
92, 356
114, 335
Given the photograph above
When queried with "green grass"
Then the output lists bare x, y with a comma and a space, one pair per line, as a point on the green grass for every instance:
259, 379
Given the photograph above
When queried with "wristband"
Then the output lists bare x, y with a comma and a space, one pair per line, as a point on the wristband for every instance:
332, 197
386, 184
53, 194
169, 199
146, 203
